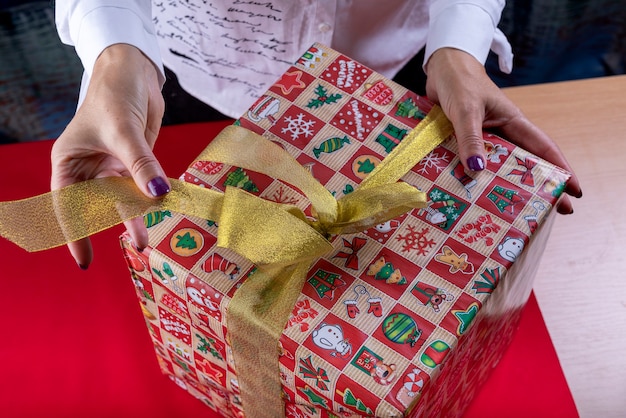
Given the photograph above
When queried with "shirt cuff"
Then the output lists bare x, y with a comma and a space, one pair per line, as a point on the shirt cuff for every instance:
93, 30
470, 28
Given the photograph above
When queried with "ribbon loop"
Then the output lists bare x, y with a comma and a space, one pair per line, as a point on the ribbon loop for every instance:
365, 208
240, 147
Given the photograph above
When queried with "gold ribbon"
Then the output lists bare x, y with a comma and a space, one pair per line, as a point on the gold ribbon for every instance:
279, 239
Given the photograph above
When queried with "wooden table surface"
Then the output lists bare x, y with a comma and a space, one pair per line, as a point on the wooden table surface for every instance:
581, 283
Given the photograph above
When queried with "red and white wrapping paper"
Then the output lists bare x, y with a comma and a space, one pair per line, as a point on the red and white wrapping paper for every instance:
404, 319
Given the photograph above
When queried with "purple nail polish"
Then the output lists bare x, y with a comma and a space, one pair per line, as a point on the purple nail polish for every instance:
83, 267
475, 163
158, 186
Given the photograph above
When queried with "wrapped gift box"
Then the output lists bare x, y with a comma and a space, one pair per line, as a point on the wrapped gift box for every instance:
406, 318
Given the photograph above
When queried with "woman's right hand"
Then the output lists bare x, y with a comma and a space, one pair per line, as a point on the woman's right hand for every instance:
113, 133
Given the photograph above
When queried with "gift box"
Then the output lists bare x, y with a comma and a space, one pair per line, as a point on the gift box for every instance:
403, 312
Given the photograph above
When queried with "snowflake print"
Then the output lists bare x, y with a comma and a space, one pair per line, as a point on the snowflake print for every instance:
298, 126
436, 195
281, 196
417, 241
433, 161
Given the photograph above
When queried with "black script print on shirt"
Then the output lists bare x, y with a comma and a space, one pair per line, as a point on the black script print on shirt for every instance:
221, 40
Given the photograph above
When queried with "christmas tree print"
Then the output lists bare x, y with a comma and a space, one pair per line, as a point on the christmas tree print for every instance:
239, 178
366, 166
350, 400
186, 241
409, 109
322, 98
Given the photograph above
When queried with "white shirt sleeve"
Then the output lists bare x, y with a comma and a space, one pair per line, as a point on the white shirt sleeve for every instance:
93, 25
471, 26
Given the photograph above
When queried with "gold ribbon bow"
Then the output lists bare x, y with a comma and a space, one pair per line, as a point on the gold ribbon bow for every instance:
279, 239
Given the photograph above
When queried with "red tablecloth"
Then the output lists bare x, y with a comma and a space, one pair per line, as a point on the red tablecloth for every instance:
74, 343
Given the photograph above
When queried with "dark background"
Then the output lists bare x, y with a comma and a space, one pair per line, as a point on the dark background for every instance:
553, 40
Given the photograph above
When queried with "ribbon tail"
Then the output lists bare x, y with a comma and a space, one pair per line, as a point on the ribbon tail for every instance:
255, 319
86, 208
428, 134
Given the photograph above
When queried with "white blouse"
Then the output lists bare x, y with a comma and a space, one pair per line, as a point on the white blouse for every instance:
227, 53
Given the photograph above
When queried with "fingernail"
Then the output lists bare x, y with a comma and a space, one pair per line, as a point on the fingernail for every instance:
476, 163
83, 267
158, 186
140, 249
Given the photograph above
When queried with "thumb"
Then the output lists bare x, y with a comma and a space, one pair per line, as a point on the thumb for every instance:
469, 136
144, 168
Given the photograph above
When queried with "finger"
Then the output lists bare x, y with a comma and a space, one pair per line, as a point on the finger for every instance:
135, 227
156, 109
528, 136
82, 252
467, 122
144, 168
138, 232
564, 206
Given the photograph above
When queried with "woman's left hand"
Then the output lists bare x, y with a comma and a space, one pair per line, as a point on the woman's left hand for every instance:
461, 86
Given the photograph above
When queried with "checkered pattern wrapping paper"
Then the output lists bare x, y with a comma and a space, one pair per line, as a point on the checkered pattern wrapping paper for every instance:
403, 319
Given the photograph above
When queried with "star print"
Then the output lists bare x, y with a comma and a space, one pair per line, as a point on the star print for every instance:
290, 81
208, 369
